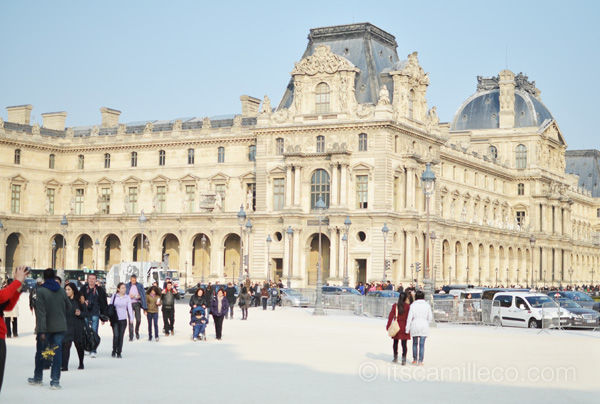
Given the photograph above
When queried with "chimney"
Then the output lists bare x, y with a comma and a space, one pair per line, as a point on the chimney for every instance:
54, 120
249, 106
110, 117
19, 114
507, 98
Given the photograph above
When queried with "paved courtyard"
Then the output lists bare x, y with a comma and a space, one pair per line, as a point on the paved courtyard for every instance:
289, 356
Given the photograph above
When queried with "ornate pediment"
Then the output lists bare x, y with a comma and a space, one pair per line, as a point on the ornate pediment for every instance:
323, 61
248, 177
219, 178
553, 132
52, 183
131, 180
79, 183
160, 179
279, 170
188, 178
362, 167
105, 181
18, 179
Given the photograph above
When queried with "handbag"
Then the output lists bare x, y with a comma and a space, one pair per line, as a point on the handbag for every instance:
111, 311
91, 339
394, 327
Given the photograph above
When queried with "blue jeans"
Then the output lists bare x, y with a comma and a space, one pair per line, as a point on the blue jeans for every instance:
420, 343
199, 329
93, 322
54, 339
152, 318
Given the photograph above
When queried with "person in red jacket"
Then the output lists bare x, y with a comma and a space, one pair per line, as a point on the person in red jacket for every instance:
9, 296
404, 301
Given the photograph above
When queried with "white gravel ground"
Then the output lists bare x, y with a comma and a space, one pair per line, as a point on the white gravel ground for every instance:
290, 356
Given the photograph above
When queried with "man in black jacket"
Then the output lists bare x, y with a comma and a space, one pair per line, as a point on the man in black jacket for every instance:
168, 309
230, 294
96, 303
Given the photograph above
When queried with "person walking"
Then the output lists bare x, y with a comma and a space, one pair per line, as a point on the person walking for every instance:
219, 307
10, 318
9, 297
244, 302
96, 304
151, 311
168, 309
264, 296
51, 308
417, 325
399, 313
75, 327
230, 294
137, 294
274, 292
122, 303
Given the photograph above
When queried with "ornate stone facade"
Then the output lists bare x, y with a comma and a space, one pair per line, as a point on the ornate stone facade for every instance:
497, 184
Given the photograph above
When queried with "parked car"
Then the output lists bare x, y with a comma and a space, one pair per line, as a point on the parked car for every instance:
293, 298
583, 299
579, 316
462, 293
339, 290
525, 309
448, 288
384, 293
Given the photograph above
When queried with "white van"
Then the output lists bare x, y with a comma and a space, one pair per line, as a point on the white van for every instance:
524, 309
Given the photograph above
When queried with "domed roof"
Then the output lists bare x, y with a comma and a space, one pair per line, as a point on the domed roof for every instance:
482, 109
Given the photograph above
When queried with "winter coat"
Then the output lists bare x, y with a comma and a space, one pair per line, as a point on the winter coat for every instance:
198, 301
244, 300
51, 307
215, 305
401, 319
75, 323
90, 295
230, 294
14, 313
152, 303
168, 299
419, 317
141, 292
9, 296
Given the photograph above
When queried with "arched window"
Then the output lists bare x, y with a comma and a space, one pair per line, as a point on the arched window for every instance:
320, 144
221, 154
252, 153
493, 152
362, 142
279, 143
134, 159
521, 157
80, 162
51, 160
411, 101
190, 156
106, 160
18, 156
322, 98
319, 188
161, 158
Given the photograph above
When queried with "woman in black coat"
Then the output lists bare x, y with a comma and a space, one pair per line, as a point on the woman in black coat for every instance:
75, 327
198, 299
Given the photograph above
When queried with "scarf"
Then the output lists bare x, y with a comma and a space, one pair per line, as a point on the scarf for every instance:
51, 284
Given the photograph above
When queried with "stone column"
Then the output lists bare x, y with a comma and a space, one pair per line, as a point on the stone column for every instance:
334, 185
409, 256
344, 186
333, 253
288, 186
297, 185
410, 188
217, 254
297, 256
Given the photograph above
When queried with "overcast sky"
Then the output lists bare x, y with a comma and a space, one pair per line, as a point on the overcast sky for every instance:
172, 59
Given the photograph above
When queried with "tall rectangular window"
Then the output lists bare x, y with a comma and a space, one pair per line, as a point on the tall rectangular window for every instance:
50, 200
51, 161
252, 153
18, 156
362, 191
134, 159
221, 155
190, 198
362, 142
279, 143
320, 144
106, 160
161, 198
521, 189
190, 156
80, 162
161, 157
278, 193
79, 201
220, 189
105, 201
15, 199
132, 198
521, 218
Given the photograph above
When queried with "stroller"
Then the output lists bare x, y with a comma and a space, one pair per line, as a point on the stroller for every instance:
199, 321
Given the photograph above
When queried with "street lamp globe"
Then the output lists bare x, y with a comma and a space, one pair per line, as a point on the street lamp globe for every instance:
428, 179
269, 239
249, 226
64, 222
347, 223
203, 241
142, 219
385, 230
289, 231
320, 205
241, 216
344, 238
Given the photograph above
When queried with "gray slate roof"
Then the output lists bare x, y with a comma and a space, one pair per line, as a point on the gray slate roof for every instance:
586, 164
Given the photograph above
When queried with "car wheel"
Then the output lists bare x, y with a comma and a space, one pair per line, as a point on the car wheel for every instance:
533, 323
497, 322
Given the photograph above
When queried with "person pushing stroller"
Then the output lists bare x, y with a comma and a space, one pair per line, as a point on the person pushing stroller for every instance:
198, 323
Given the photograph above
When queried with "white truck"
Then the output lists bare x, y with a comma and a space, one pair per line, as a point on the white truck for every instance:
151, 272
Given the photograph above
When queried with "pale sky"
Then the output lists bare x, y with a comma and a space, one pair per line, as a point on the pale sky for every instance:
172, 59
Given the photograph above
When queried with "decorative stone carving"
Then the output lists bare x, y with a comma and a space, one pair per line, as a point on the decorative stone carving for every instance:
148, 128
206, 123
95, 130
69, 132
237, 121
121, 129
364, 111
266, 106
218, 203
249, 201
1, 123
281, 116
35, 129
177, 125
432, 120
323, 61
384, 96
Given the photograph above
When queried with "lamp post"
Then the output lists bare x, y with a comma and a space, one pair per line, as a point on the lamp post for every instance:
142, 219
247, 260
203, 244
496, 277
433, 237
97, 251
53, 254
290, 234
517, 276
428, 180
571, 277
347, 224
241, 216
64, 223
532, 244
269, 240
320, 208
385, 230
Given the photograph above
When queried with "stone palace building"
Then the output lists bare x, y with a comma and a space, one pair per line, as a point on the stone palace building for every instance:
353, 128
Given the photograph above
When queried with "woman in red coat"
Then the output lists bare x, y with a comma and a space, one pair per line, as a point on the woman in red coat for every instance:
404, 301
